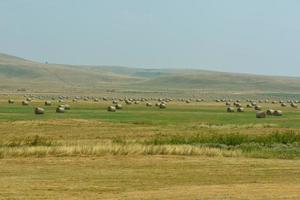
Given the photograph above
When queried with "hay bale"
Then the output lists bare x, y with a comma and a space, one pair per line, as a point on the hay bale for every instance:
67, 107
240, 109
188, 101
48, 103
278, 113
11, 101
294, 105
253, 103
111, 109
162, 106
283, 105
119, 106
258, 108
230, 109
25, 103
128, 102
270, 112
261, 114
238, 105
60, 109
249, 106
39, 111
228, 104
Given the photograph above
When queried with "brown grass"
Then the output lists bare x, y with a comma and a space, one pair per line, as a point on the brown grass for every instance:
149, 177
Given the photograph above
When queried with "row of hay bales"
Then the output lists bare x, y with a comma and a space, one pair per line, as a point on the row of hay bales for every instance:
186, 99
59, 109
39, 110
259, 101
117, 106
270, 112
257, 108
121, 99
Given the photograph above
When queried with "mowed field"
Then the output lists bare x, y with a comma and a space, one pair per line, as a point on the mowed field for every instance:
186, 151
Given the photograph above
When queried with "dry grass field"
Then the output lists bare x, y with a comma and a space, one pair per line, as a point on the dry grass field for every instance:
149, 177
187, 151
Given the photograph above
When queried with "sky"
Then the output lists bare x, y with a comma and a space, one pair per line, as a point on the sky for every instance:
257, 36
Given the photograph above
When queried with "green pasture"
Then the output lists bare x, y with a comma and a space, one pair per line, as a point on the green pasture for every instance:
175, 114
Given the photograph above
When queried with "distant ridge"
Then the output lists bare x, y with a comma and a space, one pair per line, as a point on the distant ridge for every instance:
18, 73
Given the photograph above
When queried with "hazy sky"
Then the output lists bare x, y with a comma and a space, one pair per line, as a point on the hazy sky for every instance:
256, 36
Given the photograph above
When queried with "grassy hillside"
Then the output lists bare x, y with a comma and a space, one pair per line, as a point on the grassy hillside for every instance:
16, 73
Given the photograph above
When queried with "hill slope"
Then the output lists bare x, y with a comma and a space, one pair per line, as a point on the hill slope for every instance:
16, 73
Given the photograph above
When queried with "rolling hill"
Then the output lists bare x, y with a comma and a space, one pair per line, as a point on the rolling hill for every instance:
18, 74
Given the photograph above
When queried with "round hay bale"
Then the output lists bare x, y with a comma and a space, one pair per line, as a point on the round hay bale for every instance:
258, 108
228, 104
111, 109
119, 106
11, 101
148, 104
60, 109
294, 105
238, 105
270, 112
39, 111
67, 107
162, 106
128, 102
48, 103
240, 109
230, 109
61, 106
261, 114
25, 103
283, 105
278, 113
249, 106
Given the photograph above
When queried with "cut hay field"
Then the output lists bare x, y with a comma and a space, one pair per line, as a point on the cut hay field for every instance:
187, 151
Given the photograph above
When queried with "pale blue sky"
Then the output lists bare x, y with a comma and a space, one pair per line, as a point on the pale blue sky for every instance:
254, 36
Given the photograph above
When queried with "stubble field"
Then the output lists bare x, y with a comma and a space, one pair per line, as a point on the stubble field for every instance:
187, 151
